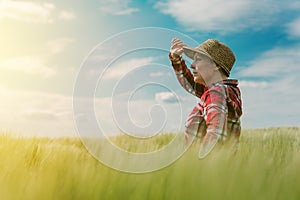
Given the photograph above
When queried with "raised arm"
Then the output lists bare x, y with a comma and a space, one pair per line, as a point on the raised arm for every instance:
185, 77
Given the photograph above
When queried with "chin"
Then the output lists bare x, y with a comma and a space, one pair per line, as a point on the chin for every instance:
198, 80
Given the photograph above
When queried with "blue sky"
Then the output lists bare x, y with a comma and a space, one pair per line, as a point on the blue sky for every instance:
46, 44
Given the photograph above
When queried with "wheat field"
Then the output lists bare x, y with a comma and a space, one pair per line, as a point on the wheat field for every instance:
266, 166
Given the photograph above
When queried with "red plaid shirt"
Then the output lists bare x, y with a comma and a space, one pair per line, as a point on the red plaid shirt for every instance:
219, 109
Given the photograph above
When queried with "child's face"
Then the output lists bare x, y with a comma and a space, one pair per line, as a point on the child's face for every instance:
203, 68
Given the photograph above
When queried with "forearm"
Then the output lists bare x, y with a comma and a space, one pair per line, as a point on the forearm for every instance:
215, 114
185, 77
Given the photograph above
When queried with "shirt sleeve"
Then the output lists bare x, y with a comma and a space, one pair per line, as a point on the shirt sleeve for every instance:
186, 78
215, 112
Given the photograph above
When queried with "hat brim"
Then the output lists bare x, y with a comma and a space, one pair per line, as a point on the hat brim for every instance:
190, 52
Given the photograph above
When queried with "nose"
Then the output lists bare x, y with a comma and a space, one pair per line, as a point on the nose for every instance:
193, 65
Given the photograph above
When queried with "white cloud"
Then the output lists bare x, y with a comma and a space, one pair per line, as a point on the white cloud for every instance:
37, 113
40, 115
254, 84
157, 74
166, 97
225, 16
27, 11
117, 7
272, 101
38, 64
58, 45
122, 68
273, 105
66, 15
31, 65
31, 11
293, 28
138, 116
274, 63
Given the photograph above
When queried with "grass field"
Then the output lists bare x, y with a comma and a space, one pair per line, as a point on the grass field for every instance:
266, 166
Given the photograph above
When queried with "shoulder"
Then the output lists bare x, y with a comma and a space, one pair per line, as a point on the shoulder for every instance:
217, 89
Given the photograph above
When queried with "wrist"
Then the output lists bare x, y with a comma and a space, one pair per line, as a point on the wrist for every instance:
175, 59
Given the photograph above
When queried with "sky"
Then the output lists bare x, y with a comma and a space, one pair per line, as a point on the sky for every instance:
69, 66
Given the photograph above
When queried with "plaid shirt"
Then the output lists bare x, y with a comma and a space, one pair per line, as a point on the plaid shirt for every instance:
219, 109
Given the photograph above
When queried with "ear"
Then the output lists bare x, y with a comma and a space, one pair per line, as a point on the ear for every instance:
217, 68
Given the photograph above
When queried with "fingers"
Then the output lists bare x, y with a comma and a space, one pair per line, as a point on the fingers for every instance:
176, 40
177, 43
177, 47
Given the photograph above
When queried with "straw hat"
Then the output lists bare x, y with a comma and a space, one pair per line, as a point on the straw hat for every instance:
217, 51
